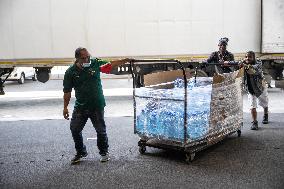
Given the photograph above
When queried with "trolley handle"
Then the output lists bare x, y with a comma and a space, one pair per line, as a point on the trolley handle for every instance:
154, 60
230, 63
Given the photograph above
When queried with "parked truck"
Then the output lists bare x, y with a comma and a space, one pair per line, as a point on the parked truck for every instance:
43, 34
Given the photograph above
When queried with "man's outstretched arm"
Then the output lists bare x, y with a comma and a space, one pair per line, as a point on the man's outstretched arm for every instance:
114, 64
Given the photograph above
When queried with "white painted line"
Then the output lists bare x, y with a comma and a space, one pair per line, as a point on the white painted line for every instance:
95, 138
7, 116
30, 95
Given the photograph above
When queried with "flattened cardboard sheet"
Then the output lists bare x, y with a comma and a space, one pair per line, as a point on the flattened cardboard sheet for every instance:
164, 77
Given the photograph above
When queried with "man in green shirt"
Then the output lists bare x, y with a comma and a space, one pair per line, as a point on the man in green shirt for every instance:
84, 77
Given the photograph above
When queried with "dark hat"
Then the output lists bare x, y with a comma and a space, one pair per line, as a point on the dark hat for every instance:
223, 41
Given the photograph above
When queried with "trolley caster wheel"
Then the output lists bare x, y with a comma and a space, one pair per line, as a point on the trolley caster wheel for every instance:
239, 133
142, 149
189, 157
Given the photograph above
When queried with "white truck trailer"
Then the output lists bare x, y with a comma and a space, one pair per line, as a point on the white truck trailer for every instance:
45, 33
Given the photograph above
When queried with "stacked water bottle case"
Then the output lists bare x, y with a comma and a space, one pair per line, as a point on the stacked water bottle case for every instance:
162, 115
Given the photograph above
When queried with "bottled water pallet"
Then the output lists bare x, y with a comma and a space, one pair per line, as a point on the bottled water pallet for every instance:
177, 110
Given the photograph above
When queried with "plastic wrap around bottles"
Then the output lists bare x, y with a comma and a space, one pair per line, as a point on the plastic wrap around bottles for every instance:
160, 112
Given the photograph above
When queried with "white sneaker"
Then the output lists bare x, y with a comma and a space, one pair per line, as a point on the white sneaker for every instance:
105, 158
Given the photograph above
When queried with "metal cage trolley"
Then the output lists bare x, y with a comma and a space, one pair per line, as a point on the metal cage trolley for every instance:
177, 110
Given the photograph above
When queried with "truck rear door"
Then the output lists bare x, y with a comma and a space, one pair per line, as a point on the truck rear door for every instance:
272, 26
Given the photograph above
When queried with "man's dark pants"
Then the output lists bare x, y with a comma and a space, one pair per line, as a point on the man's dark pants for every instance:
78, 121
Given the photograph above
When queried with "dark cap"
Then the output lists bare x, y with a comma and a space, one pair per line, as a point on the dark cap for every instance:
223, 41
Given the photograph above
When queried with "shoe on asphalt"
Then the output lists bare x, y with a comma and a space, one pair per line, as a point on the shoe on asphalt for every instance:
78, 157
265, 119
105, 158
254, 125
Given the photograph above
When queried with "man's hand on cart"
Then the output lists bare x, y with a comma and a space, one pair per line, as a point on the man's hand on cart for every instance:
226, 63
241, 63
248, 67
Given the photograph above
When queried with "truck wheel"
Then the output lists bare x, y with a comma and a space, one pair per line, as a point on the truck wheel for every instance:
189, 157
34, 77
22, 79
142, 149
239, 133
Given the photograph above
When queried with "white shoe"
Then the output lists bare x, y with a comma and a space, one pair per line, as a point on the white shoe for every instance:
105, 158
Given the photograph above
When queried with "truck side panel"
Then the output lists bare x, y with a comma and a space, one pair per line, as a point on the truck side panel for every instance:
273, 26
53, 29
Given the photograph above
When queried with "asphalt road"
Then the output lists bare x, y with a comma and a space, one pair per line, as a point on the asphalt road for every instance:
36, 147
